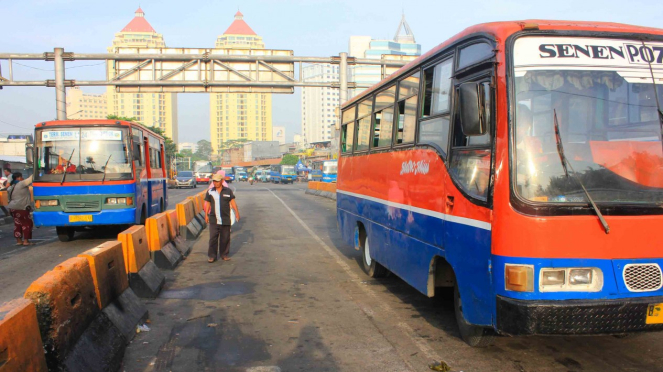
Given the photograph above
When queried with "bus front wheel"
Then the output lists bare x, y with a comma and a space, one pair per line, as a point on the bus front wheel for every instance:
371, 267
473, 335
65, 233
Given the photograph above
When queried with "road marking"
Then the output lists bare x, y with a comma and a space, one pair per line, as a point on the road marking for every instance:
405, 328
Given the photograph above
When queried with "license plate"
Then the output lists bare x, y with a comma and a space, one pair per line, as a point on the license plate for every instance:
81, 218
655, 314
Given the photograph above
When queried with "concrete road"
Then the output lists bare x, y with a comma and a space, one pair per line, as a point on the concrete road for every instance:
20, 266
293, 298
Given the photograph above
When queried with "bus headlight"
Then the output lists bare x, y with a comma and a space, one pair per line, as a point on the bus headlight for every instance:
553, 277
571, 279
114, 201
580, 276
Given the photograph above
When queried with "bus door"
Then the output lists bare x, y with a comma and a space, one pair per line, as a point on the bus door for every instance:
468, 186
140, 173
156, 177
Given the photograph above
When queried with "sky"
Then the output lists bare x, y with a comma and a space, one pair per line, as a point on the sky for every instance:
308, 27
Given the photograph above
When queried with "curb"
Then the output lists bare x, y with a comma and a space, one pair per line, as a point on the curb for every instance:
6, 220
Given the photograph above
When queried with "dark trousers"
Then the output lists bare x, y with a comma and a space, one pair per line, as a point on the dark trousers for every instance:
219, 241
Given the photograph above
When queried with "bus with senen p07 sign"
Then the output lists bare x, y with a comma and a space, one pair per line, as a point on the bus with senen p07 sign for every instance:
90, 173
521, 164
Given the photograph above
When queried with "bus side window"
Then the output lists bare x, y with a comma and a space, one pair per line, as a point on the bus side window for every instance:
347, 138
406, 109
471, 155
434, 124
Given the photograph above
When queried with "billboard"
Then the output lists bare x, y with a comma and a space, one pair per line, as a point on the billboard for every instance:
278, 134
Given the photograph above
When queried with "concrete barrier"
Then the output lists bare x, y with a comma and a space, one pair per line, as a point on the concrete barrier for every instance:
188, 229
114, 297
145, 279
174, 234
324, 189
21, 348
76, 334
164, 253
198, 216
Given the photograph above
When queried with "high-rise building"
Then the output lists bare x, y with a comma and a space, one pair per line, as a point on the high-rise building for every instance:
240, 115
152, 109
403, 44
319, 104
83, 106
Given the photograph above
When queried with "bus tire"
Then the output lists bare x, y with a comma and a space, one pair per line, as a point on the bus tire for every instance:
370, 266
65, 233
473, 335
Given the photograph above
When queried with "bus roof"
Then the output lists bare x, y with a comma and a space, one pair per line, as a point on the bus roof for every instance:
58, 123
501, 31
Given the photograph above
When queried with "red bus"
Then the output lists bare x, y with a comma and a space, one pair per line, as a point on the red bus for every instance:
520, 163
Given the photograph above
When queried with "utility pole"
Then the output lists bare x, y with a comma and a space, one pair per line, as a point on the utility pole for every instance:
60, 93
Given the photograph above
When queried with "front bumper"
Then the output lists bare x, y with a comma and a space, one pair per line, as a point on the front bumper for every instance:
574, 317
105, 217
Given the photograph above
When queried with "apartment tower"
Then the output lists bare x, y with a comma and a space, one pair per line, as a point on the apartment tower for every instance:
239, 115
151, 109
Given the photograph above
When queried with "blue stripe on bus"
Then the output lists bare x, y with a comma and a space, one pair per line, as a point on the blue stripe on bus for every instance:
106, 217
84, 190
406, 239
613, 282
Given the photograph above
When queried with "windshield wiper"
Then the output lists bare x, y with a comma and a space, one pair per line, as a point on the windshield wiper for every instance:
105, 166
67, 167
565, 163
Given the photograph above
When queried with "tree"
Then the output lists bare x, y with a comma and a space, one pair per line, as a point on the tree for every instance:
289, 159
204, 149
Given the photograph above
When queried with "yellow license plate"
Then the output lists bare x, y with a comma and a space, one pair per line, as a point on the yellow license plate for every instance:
81, 218
655, 314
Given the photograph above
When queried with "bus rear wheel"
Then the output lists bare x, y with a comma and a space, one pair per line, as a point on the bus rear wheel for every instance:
473, 335
65, 233
371, 267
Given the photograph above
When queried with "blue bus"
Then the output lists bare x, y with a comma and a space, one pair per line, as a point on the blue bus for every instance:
329, 169
95, 173
283, 173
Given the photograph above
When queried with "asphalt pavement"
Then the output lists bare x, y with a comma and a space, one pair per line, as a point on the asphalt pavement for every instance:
293, 298
20, 266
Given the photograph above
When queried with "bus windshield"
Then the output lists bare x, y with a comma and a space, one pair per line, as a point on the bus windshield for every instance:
93, 151
330, 168
288, 170
203, 167
610, 130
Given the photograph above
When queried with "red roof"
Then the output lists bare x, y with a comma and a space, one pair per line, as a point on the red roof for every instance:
139, 23
239, 27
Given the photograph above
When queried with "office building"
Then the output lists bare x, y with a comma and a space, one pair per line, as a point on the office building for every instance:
319, 104
84, 106
403, 44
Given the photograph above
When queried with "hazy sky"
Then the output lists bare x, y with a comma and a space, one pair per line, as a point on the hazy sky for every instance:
310, 28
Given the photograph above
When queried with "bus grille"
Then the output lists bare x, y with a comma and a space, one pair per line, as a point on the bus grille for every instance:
643, 277
87, 205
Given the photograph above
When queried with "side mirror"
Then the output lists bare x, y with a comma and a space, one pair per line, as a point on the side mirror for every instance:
29, 154
471, 109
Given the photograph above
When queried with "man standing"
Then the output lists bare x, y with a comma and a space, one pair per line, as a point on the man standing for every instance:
218, 202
